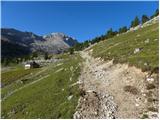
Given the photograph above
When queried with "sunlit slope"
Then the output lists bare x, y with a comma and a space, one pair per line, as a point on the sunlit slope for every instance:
122, 48
49, 93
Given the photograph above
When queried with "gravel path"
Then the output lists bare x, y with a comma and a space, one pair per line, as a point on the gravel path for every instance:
103, 93
95, 101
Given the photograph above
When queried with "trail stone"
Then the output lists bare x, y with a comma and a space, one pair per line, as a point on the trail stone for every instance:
150, 80
146, 41
137, 50
138, 35
70, 97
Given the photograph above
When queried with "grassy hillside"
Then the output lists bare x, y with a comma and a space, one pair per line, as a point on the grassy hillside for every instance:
11, 76
45, 94
121, 48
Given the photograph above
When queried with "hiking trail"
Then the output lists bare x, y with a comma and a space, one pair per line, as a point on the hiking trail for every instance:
102, 90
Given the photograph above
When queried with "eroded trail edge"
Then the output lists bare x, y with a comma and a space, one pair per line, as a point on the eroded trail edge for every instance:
112, 91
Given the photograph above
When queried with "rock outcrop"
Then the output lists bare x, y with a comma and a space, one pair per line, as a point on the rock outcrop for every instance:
16, 43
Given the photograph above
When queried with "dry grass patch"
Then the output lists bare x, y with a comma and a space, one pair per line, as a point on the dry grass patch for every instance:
152, 109
151, 100
150, 86
130, 89
145, 116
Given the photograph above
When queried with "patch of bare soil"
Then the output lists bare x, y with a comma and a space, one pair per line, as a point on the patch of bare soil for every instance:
115, 91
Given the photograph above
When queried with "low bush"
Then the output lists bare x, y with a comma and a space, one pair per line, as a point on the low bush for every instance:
131, 89
150, 86
152, 109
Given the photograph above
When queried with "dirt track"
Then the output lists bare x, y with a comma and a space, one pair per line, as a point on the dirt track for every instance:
103, 94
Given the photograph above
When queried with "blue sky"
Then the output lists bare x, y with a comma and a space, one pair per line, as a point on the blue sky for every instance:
81, 20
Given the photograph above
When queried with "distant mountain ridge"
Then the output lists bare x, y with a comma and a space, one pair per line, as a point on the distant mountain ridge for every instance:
19, 37
55, 43
28, 42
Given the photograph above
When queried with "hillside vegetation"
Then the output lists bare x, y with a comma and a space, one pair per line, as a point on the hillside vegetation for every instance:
122, 48
120, 90
44, 93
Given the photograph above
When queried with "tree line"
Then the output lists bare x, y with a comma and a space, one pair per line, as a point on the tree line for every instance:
110, 33
5, 61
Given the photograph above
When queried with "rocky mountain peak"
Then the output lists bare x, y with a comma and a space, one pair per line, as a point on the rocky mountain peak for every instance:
51, 43
56, 36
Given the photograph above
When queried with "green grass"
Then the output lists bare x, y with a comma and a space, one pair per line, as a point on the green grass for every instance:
13, 75
121, 48
61, 56
23, 79
145, 116
46, 98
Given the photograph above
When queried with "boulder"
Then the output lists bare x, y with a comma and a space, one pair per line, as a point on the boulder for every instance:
136, 50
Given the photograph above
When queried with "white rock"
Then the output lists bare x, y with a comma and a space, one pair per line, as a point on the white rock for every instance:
70, 97
136, 50
150, 79
142, 91
129, 77
136, 104
89, 91
145, 64
155, 39
137, 100
109, 113
91, 50
138, 35
144, 94
145, 101
95, 113
153, 115
71, 68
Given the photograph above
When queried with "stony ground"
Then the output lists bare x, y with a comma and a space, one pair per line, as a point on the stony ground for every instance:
115, 91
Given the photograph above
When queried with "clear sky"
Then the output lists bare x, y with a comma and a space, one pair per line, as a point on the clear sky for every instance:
81, 20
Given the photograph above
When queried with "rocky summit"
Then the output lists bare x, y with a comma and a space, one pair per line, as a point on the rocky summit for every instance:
28, 42
55, 43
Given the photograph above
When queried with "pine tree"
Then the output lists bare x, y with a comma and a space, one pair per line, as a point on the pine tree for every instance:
135, 22
46, 56
144, 18
110, 33
34, 54
71, 51
122, 29
156, 13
